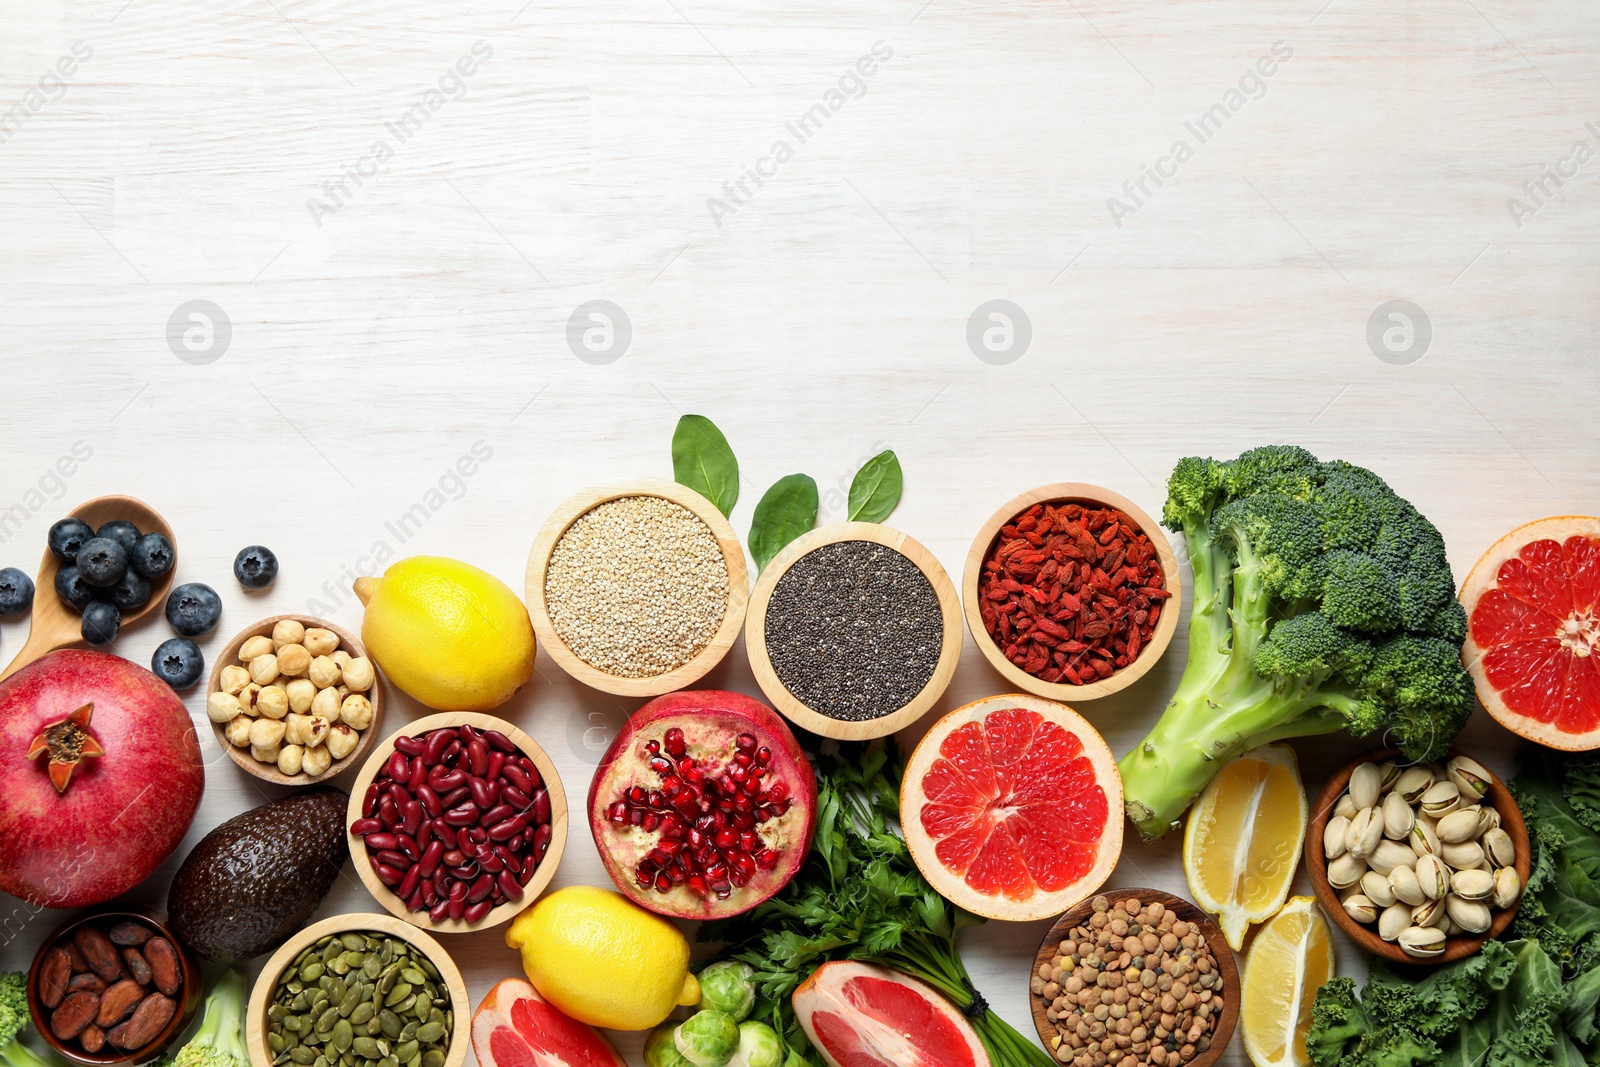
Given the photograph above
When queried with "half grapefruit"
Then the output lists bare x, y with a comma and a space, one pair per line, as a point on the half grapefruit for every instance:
1533, 630
516, 1027
1012, 807
858, 1015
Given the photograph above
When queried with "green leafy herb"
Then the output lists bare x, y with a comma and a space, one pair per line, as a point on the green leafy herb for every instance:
859, 896
876, 488
788, 510
703, 460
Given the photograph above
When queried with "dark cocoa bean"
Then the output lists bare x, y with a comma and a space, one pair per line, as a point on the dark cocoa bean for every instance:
163, 960
100, 952
153, 1012
77, 1010
130, 934
54, 976
85, 982
79, 964
93, 1039
117, 1002
138, 966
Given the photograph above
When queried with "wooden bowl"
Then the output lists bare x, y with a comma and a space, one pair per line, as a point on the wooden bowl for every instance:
255, 1019
189, 991
796, 710
655, 685
1457, 946
1187, 912
55, 623
1071, 493
269, 771
541, 876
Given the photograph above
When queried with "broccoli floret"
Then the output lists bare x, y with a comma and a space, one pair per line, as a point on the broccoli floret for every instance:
1322, 602
13, 1020
220, 1040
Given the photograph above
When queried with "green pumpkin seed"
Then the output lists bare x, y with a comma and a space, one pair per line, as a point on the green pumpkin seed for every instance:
353, 942
303, 1055
295, 985
436, 1016
414, 1061
433, 1058
326, 1020
430, 1032
390, 1023
342, 1035
405, 1050
311, 972
275, 1042
371, 966
322, 1061
398, 992
414, 976
365, 1047
362, 1013
389, 1061
277, 1013
330, 950
407, 1033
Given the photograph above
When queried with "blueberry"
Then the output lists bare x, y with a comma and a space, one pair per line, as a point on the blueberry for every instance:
132, 592
101, 621
71, 588
255, 567
151, 555
67, 536
121, 531
178, 662
193, 609
16, 592
102, 561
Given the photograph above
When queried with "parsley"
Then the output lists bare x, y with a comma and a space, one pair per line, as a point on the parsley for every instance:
859, 896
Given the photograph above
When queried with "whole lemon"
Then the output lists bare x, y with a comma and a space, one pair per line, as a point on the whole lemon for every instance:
454, 637
602, 959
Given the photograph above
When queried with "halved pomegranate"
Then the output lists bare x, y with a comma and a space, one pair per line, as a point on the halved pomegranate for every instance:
516, 1027
858, 1015
703, 806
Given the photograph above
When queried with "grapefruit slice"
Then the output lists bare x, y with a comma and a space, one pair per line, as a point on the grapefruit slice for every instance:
1241, 846
858, 1015
516, 1027
1533, 630
1012, 807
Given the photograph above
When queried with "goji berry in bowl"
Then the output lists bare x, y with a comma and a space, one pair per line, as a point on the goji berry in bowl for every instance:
457, 822
1071, 591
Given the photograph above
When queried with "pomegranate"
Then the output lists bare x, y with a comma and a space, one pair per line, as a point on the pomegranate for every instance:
101, 774
703, 806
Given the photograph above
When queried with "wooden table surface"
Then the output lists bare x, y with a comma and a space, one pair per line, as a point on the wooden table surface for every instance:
396, 215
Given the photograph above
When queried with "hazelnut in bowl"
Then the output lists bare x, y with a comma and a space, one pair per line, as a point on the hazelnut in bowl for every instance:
112, 986
294, 699
1419, 863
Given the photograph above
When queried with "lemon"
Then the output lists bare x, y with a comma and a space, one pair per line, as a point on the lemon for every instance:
602, 959
1241, 846
1291, 959
454, 637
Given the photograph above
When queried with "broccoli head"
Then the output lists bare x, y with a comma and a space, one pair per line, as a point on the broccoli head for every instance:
220, 1040
13, 1020
1322, 601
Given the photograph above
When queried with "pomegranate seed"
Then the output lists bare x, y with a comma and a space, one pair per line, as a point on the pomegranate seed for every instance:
764, 755
663, 883
652, 747
675, 743
746, 743
618, 812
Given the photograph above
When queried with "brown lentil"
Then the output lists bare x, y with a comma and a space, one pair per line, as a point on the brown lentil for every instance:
1122, 988
637, 586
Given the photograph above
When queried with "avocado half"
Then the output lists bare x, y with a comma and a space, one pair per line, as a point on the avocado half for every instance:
253, 881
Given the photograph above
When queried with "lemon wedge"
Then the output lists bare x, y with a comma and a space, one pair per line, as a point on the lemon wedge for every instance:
1291, 958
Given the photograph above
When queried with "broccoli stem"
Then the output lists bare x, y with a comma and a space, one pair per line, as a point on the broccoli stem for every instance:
17, 1054
1205, 727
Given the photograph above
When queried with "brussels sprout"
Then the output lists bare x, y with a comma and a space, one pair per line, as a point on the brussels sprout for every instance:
659, 1051
758, 1047
728, 986
708, 1038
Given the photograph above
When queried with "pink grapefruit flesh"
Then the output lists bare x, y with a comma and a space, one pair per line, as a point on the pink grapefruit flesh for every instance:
858, 1015
516, 1027
1533, 617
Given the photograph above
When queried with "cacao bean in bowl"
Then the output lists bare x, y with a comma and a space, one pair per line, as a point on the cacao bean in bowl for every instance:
1071, 591
457, 821
112, 986
388, 985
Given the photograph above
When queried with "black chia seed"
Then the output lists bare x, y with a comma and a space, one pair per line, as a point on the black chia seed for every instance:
854, 630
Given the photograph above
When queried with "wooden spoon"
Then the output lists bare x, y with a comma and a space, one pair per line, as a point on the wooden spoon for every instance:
57, 624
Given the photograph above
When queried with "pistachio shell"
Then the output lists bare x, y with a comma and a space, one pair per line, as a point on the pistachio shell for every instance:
1432, 877
1398, 818
1424, 840
1345, 871
1413, 781
1344, 806
1389, 855
1366, 783
1376, 888
1468, 775
1440, 799
1473, 885
1333, 845
1471, 916
1429, 912
1507, 887
1393, 920
1366, 830
1422, 942
1462, 856
1360, 908
1458, 826
1405, 887
1389, 773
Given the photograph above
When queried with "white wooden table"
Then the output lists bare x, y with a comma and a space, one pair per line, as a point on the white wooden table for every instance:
396, 210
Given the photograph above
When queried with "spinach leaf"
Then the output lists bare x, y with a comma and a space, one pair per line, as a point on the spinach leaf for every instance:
876, 488
703, 461
788, 510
